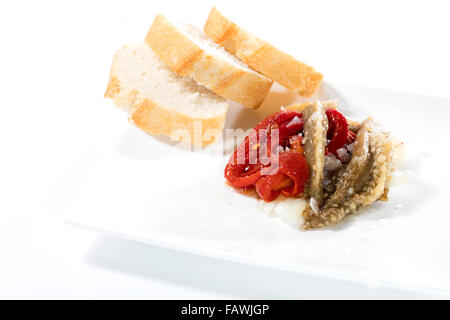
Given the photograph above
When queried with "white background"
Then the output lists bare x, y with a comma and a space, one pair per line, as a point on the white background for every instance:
55, 59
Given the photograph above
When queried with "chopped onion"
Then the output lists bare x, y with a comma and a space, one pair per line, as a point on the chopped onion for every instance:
332, 163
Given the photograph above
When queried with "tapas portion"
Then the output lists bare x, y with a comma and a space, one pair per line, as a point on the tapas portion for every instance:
312, 155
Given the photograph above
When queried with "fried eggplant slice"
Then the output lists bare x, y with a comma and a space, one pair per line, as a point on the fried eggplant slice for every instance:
365, 179
315, 137
315, 131
355, 170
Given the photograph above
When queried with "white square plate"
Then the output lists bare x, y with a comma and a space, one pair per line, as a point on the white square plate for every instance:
147, 189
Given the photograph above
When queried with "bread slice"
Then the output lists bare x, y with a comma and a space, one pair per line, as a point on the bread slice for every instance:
262, 56
187, 51
160, 101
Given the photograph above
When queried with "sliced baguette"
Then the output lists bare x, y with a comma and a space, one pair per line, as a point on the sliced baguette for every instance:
187, 51
161, 102
261, 56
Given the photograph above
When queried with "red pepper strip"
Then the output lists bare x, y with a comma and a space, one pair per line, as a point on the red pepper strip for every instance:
243, 175
294, 126
351, 137
291, 165
288, 123
267, 186
337, 130
239, 172
282, 117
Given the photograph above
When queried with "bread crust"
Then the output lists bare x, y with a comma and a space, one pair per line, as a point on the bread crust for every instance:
157, 120
186, 58
262, 56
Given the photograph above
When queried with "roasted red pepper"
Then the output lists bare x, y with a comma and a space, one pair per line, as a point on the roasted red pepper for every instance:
337, 130
290, 177
244, 169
